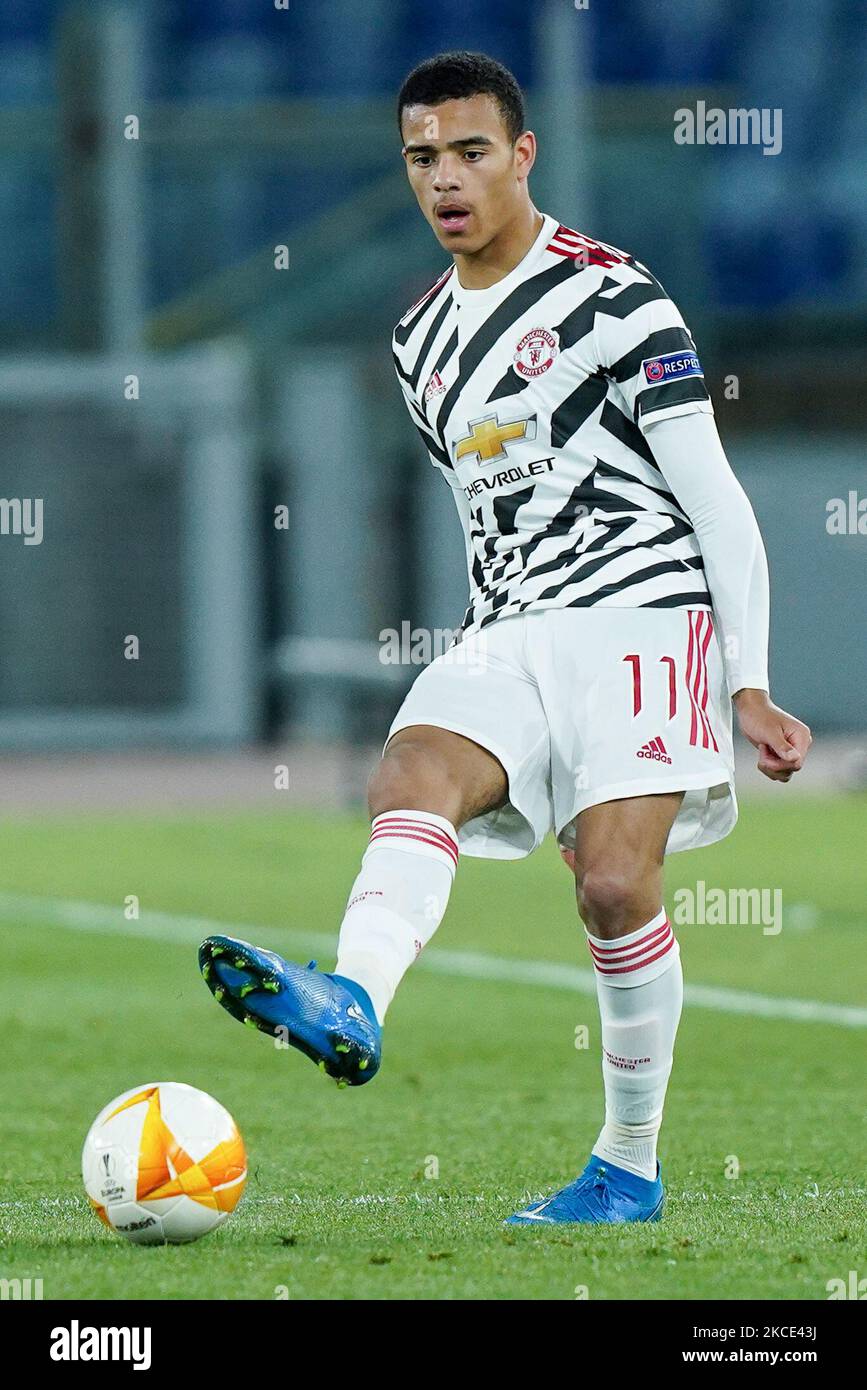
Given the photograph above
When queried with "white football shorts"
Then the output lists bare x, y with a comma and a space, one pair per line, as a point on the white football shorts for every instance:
585, 705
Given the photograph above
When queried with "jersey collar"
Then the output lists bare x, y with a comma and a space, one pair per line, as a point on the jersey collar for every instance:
482, 299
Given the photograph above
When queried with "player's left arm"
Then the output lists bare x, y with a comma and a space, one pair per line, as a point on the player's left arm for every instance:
690, 455
650, 354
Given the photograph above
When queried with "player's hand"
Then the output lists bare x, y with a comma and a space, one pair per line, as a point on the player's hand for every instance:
782, 740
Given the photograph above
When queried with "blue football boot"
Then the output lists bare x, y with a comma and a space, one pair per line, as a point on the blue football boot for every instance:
603, 1194
327, 1017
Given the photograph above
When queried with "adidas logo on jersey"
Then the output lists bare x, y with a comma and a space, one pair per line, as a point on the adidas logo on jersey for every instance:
435, 386
655, 750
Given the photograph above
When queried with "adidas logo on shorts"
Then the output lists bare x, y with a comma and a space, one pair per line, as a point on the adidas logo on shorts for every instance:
654, 750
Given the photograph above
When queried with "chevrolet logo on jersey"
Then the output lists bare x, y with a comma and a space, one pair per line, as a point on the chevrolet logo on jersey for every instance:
488, 439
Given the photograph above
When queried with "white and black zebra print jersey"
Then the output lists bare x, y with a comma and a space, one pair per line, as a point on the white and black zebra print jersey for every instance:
531, 397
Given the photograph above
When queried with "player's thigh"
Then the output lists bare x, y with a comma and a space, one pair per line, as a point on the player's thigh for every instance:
426, 768
625, 839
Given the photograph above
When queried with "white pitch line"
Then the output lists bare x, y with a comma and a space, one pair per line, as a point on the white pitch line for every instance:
180, 930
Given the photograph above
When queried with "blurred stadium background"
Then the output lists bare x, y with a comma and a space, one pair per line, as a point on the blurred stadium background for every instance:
264, 384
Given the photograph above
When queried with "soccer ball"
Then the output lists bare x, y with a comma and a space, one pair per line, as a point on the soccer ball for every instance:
163, 1164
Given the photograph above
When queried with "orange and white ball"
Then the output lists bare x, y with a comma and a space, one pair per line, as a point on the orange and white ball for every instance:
163, 1164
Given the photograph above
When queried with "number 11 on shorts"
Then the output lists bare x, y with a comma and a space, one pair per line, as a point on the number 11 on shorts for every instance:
635, 662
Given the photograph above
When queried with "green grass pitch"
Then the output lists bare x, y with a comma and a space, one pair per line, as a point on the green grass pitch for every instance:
482, 1076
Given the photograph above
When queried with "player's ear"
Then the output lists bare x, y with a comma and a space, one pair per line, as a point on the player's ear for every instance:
525, 153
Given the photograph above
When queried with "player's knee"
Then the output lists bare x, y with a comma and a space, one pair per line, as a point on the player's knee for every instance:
410, 777
609, 898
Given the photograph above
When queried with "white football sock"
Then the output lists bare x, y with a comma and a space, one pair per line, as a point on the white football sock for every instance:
398, 900
639, 984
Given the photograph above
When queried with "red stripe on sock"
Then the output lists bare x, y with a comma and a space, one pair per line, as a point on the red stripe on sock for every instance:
644, 943
415, 828
411, 834
417, 825
639, 964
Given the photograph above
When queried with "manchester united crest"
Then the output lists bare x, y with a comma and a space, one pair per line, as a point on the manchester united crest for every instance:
535, 352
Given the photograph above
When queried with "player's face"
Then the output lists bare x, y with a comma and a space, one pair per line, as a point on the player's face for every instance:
469, 179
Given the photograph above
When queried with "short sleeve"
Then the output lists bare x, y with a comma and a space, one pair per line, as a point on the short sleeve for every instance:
651, 357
